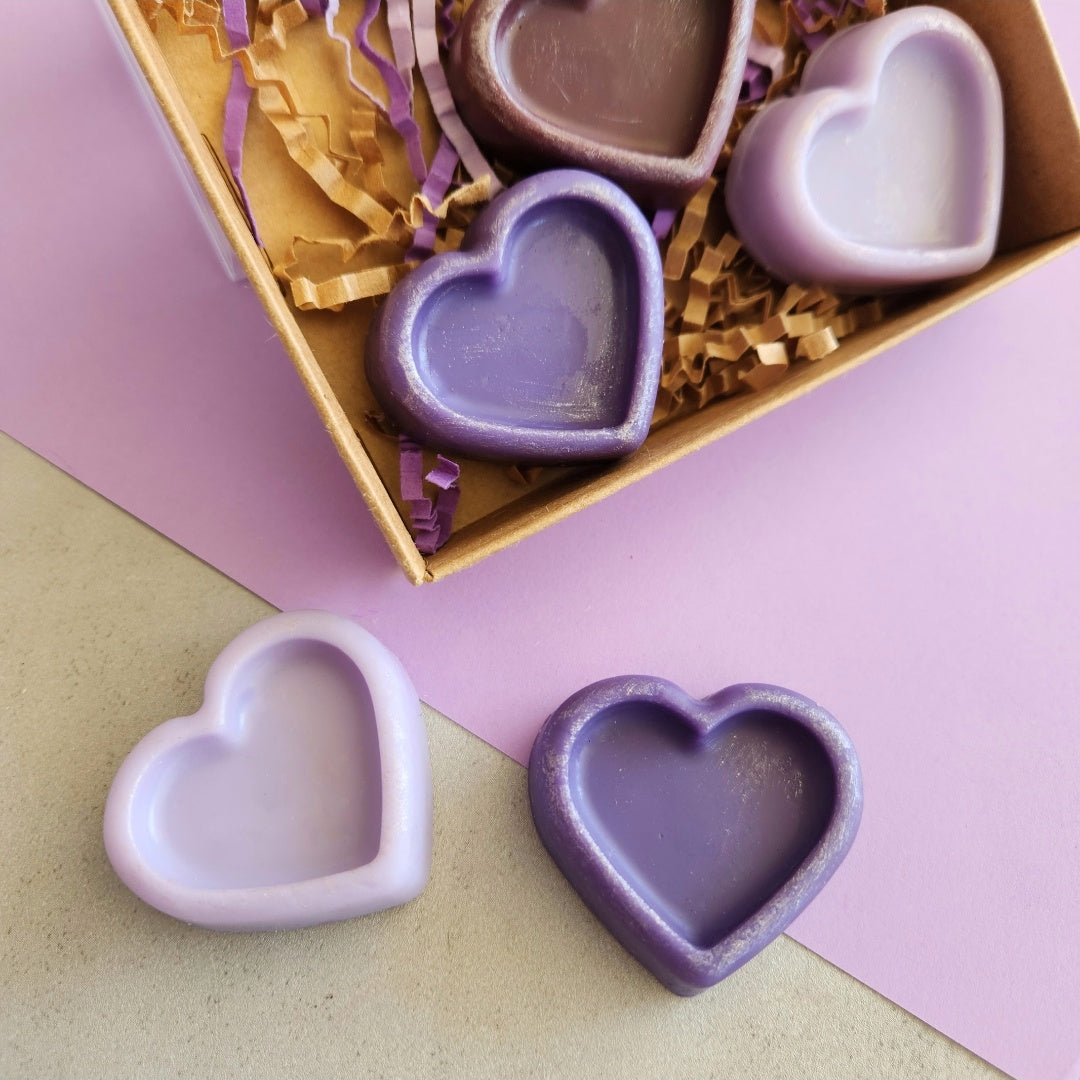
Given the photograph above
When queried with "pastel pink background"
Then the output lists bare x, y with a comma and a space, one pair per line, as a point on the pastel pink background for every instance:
901, 545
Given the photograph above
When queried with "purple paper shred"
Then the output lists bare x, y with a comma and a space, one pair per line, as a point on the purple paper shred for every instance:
809, 11
412, 469
757, 79
764, 65
399, 110
431, 522
399, 23
237, 104
445, 507
438, 181
330, 12
662, 222
447, 25
445, 474
426, 36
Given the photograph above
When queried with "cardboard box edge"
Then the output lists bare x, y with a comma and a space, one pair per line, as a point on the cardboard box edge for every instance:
473, 548
170, 101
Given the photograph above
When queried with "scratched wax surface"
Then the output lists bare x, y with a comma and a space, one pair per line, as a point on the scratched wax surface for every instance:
729, 817
554, 360
659, 59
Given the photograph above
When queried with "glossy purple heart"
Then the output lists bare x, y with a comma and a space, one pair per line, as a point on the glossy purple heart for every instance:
540, 340
695, 830
299, 793
641, 91
886, 169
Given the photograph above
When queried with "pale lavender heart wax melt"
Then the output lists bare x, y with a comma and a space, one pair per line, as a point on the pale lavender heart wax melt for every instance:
695, 830
299, 793
540, 340
885, 169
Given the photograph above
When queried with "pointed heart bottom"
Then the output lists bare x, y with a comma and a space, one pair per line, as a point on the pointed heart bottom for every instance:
705, 828
637, 74
544, 344
917, 149
297, 797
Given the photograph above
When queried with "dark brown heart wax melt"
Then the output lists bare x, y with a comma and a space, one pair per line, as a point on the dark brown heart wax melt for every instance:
641, 91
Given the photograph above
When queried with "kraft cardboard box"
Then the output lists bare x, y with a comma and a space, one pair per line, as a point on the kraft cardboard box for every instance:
1041, 219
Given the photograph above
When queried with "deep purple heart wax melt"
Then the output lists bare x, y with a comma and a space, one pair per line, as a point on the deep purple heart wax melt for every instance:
299, 793
641, 91
886, 168
695, 830
540, 340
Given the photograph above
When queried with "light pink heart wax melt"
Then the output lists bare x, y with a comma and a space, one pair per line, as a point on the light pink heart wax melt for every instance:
886, 168
299, 793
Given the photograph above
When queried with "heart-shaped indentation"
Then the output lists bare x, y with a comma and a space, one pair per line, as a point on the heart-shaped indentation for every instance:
299, 793
886, 168
540, 340
695, 830
639, 74
641, 91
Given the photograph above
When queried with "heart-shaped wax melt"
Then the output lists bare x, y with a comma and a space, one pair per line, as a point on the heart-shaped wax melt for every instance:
641, 91
695, 830
299, 793
540, 340
886, 168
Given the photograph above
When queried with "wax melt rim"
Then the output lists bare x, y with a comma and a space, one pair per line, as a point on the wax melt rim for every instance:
684, 967
394, 374
758, 164
400, 867
659, 179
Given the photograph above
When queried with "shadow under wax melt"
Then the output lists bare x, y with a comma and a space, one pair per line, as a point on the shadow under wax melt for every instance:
641, 91
886, 168
696, 831
299, 793
540, 340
